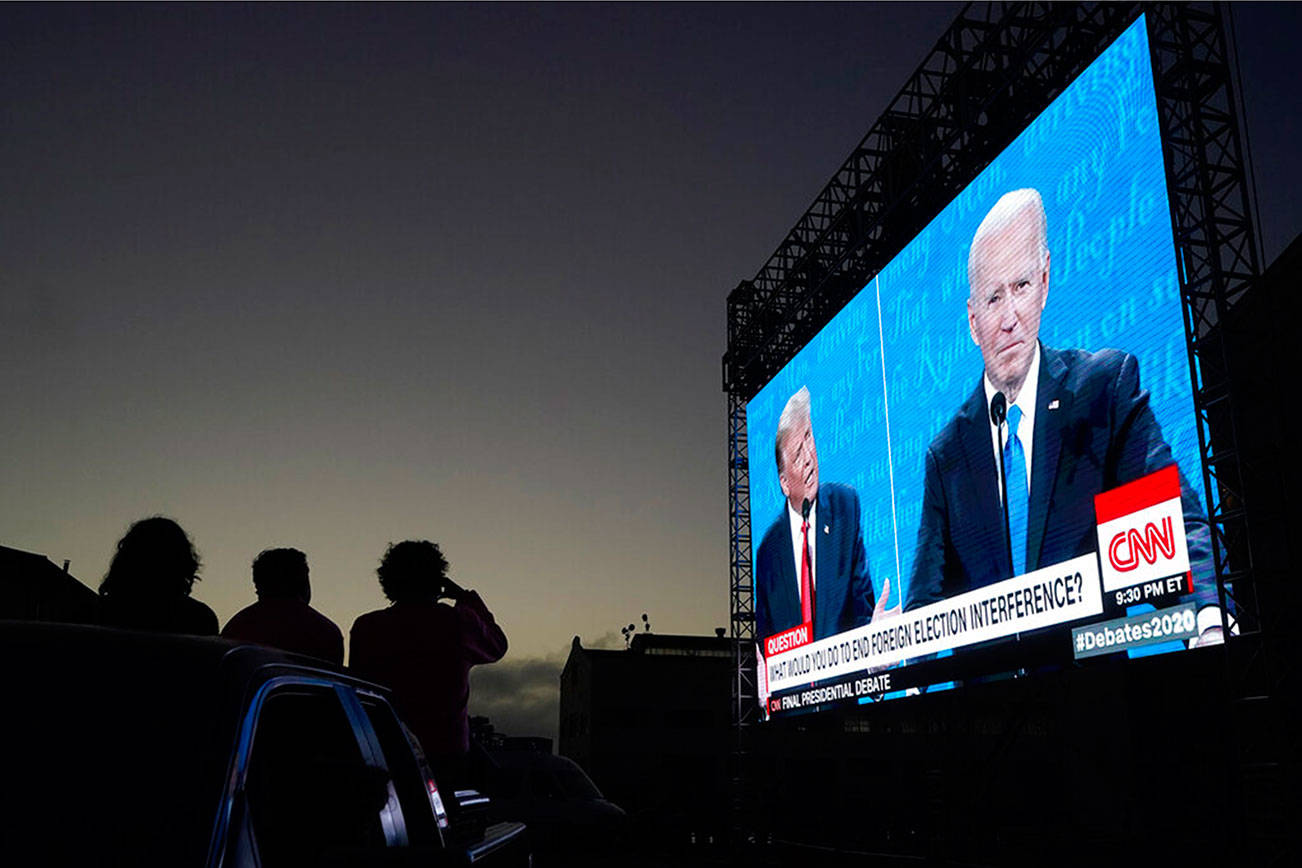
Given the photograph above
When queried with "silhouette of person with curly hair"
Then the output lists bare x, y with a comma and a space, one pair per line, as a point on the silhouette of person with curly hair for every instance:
148, 583
423, 650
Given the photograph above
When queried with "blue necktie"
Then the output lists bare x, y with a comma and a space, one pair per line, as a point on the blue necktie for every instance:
1018, 493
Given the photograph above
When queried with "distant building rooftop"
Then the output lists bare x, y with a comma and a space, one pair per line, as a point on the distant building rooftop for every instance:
650, 724
684, 646
669, 644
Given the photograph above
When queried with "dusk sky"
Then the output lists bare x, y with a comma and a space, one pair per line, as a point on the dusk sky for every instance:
330, 277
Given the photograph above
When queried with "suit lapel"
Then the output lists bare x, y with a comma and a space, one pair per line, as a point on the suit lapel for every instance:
979, 454
786, 606
827, 577
1045, 449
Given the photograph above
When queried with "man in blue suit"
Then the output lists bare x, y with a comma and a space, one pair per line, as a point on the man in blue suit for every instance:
811, 565
1078, 424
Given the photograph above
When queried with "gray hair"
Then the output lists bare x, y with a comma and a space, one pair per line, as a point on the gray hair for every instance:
1011, 208
795, 412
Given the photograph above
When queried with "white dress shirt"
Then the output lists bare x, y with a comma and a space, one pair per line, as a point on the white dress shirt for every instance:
1025, 428
796, 522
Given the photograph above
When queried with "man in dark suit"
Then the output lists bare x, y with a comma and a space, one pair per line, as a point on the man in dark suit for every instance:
811, 564
1078, 424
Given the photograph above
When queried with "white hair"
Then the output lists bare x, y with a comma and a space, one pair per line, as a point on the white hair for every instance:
1011, 208
795, 412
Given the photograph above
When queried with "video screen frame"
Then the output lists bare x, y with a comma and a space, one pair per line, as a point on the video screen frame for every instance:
1094, 156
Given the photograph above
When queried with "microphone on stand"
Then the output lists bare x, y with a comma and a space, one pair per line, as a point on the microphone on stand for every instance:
998, 413
804, 509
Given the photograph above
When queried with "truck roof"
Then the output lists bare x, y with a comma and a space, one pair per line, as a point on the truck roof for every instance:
122, 739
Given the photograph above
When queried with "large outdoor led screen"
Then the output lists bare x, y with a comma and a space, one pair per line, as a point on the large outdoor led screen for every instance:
1030, 338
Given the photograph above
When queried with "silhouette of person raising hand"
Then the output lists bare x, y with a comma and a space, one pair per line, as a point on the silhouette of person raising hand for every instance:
423, 650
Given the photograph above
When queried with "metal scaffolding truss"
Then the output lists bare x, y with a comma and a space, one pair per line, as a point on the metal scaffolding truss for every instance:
1217, 255
745, 695
992, 72
1219, 262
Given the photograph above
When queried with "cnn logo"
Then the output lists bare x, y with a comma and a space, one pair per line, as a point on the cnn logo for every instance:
1130, 546
1141, 530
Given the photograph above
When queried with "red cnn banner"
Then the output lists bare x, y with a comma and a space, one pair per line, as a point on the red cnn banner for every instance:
1141, 530
789, 640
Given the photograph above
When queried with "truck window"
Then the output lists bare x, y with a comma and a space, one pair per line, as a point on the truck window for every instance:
310, 792
409, 778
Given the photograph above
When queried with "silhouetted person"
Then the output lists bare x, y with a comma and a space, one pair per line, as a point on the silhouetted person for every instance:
282, 617
148, 583
423, 650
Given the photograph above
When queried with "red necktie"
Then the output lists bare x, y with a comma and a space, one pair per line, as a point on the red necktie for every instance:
806, 576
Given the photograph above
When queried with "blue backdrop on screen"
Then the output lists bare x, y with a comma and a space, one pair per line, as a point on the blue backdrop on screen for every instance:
900, 355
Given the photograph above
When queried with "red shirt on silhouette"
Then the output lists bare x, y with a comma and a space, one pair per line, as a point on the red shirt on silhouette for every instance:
423, 651
290, 624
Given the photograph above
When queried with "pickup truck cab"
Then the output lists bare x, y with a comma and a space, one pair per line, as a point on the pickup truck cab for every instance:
124, 748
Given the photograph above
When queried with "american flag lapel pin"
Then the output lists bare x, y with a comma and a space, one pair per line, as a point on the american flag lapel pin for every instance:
1053, 405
